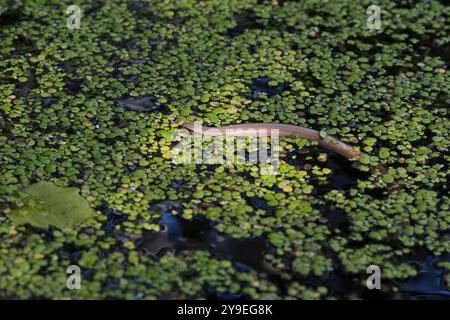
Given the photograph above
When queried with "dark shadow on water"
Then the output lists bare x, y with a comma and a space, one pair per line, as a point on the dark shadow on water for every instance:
11, 17
428, 283
247, 255
344, 175
143, 104
258, 203
245, 20
261, 85
74, 86
336, 219
198, 234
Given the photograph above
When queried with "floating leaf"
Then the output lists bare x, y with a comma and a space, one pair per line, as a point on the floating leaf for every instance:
49, 205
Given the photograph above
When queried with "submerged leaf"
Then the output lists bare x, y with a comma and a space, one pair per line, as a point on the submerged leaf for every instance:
50, 205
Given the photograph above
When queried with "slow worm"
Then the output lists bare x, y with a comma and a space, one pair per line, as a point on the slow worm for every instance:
284, 130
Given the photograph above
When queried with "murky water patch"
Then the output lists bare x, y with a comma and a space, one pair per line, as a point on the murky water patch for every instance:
245, 20
429, 281
143, 104
181, 235
263, 85
344, 174
11, 17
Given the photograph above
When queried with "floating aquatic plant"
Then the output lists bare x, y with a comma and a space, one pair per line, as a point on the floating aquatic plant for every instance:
49, 205
95, 108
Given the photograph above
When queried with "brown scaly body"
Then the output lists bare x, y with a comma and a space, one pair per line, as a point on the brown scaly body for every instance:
285, 130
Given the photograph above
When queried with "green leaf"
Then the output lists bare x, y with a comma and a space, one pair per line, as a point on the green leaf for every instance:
323, 134
384, 153
388, 178
49, 205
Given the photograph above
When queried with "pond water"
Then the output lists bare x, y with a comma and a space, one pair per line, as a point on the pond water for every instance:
247, 255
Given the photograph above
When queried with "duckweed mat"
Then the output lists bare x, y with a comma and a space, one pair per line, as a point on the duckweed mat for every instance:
93, 109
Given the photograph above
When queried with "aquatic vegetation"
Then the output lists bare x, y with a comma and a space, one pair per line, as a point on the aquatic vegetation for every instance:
95, 108
49, 205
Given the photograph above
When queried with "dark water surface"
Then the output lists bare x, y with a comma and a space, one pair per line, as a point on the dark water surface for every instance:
198, 234
247, 255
